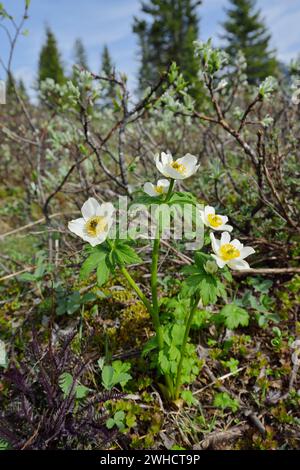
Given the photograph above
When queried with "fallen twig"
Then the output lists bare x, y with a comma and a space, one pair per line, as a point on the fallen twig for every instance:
218, 437
10, 276
31, 224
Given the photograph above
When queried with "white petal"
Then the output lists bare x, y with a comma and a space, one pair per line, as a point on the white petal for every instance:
90, 208
149, 189
214, 243
161, 168
224, 218
106, 209
209, 210
191, 170
238, 264
237, 244
247, 251
166, 158
172, 173
225, 238
164, 183
94, 241
77, 226
189, 161
219, 261
227, 228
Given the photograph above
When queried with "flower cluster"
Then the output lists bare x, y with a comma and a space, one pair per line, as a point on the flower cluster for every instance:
226, 252
97, 219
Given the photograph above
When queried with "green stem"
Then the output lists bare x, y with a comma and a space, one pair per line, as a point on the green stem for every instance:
132, 282
183, 347
136, 288
170, 190
154, 284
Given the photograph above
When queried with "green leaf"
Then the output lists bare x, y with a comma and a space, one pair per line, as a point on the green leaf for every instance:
177, 334
65, 382
27, 3
121, 375
4, 445
126, 254
223, 401
234, 316
27, 277
174, 353
91, 263
119, 416
103, 272
107, 377
163, 362
188, 397
151, 345
110, 423
81, 391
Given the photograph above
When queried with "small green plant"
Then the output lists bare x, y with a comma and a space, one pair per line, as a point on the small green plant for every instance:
70, 304
116, 374
117, 420
233, 316
66, 383
224, 401
4, 445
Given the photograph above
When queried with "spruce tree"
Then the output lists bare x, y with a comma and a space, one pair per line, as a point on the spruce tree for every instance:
167, 36
107, 70
107, 67
50, 64
245, 30
80, 56
22, 90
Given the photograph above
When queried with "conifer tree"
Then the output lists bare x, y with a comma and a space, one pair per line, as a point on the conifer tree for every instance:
107, 70
22, 90
14, 86
107, 66
245, 30
166, 36
80, 56
50, 64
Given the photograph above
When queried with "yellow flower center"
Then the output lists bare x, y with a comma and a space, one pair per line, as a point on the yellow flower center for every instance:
214, 220
228, 252
178, 167
96, 225
159, 189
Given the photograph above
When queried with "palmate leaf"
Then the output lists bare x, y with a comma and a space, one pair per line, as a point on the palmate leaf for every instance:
125, 254
182, 198
234, 316
103, 272
207, 285
96, 256
146, 200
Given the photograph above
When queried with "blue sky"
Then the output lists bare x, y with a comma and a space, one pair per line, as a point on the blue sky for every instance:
100, 22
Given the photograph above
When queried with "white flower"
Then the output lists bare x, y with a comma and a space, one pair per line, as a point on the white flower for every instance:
96, 222
229, 252
156, 190
176, 169
213, 220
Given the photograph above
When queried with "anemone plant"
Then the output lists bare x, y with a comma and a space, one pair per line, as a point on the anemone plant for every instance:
170, 349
